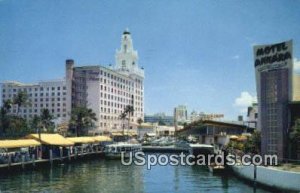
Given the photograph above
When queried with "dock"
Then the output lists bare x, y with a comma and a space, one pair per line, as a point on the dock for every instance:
57, 160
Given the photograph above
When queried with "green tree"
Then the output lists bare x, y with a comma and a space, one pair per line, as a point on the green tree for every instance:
82, 119
295, 140
4, 117
253, 144
139, 121
36, 124
21, 99
123, 117
47, 119
17, 127
7, 104
129, 111
160, 121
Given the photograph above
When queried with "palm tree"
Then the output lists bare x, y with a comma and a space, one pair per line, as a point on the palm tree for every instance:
123, 116
20, 100
7, 104
46, 119
139, 121
129, 111
36, 123
4, 118
82, 119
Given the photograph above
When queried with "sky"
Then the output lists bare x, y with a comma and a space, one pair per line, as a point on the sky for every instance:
195, 53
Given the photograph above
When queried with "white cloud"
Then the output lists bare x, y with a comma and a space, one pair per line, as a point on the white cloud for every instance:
244, 101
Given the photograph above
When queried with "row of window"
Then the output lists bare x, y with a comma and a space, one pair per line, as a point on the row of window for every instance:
37, 110
118, 111
35, 89
55, 115
119, 92
36, 95
129, 86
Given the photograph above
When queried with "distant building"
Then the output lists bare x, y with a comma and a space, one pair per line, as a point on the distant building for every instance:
240, 118
146, 128
274, 72
252, 116
214, 132
160, 118
165, 131
195, 116
180, 114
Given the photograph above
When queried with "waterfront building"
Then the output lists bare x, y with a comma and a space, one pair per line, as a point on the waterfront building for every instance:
160, 118
274, 70
146, 128
214, 132
108, 90
50, 95
165, 130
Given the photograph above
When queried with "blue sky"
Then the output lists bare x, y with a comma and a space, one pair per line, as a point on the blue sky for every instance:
196, 53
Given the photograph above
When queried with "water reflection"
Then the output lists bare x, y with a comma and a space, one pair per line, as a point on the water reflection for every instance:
111, 176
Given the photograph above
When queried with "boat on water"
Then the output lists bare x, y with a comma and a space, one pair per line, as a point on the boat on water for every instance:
196, 148
216, 169
115, 150
201, 149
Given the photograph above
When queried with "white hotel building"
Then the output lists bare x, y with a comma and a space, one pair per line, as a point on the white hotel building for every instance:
106, 90
50, 95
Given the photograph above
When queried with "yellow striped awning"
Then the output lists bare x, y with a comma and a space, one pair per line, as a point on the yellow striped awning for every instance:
102, 138
120, 133
51, 139
234, 137
19, 143
81, 139
117, 134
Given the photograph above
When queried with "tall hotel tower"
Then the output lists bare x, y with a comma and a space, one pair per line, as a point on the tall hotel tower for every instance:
108, 90
274, 72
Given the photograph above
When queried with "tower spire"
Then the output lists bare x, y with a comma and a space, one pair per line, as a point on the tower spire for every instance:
126, 56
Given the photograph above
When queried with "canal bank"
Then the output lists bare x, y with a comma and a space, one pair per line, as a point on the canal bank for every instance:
271, 177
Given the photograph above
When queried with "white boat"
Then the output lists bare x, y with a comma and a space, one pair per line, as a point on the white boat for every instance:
203, 149
216, 168
115, 150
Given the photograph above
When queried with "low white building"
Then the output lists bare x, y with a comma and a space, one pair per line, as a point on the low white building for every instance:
50, 95
165, 130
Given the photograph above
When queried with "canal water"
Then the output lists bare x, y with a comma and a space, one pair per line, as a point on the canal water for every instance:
110, 176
